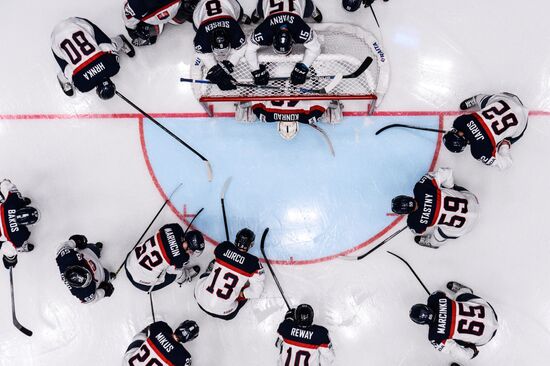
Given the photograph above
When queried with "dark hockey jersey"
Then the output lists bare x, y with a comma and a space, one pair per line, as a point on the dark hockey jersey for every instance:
142, 9
482, 143
304, 346
428, 196
284, 112
444, 309
67, 257
227, 255
313, 337
169, 240
202, 40
160, 349
298, 28
17, 234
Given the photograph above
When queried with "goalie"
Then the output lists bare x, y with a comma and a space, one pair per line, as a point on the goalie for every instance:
289, 114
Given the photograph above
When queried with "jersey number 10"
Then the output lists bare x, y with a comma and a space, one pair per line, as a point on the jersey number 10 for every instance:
297, 358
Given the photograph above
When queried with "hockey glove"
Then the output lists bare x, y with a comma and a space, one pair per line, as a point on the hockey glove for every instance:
291, 314
221, 78
80, 241
9, 262
107, 287
368, 3
299, 74
261, 76
228, 65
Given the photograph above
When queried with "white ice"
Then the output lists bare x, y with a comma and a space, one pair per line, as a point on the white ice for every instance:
89, 176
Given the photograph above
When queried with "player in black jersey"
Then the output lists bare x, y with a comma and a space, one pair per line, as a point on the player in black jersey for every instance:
439, 210
15, 217
499, 121
282, 27
457, 324
81, 270
301, 342
159, 345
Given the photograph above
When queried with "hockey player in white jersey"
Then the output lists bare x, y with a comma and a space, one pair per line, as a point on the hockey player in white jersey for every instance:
498, 121
81, 270
15, 217
162, 258
159, 345
458, 323
88, 58
233, 277
439, 210
219, 42
282, 27
145, 19
302, 343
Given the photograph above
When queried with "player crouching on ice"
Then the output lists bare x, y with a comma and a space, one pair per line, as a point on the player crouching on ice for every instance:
283, 26
82, 271
457, 324
439, 210
299, 339
500, 120
88, 58
162, 258
158, 344
15, 217
233, 277
289, 114
220, 42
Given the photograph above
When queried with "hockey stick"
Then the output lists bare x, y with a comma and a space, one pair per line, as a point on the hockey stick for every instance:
16, 323
411, 127
191, 223
222, 199
152, 306
324, 90
358, 258
208, 166
148, 227
262, 249
412, 270
358, 72
325, 135
374, 15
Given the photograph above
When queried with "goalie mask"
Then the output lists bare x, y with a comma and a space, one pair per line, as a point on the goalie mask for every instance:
221, 47
288, 130
282, 42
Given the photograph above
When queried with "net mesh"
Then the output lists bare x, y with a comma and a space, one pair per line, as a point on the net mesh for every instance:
343, 49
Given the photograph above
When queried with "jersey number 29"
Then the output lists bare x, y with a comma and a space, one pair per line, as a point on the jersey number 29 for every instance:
500, 123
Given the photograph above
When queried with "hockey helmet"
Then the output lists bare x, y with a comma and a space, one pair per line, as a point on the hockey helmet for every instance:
219, 40
304, 316
421, 314
187, 331
288, 130
403, 205
282, 41
195, 242
27, 216
454, 142
245, 239
106, 89
351, 5
78, 276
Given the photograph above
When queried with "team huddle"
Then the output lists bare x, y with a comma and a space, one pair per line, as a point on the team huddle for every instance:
438, 212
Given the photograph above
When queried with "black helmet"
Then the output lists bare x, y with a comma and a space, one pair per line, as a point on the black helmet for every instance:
282, 41
421, 314
106, 90
403, 205
78, 276
245, 239
304, 316
195, 241
351, 5
27, 216
454, 142
187, 331
219, 39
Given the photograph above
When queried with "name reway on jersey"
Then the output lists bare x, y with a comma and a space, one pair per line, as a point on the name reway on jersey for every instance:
442, 319
174, 248
165, 343
234, 256
94, 71
295, 332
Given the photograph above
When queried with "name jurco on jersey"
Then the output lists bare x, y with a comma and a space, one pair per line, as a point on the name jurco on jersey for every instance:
234, 256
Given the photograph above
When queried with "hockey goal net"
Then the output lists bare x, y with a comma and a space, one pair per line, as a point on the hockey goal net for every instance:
344, 48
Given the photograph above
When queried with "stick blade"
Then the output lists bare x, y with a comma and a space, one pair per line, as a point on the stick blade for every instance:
364, 66
225, 187
209, 170
22, 329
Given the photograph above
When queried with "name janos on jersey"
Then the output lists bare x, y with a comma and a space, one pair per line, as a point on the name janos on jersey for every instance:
427, 209
233, 256
442, 319
295, 332
475, 131
218, 24
94, 71
172, 243
286, 117
165, 343
12, 221
281, 19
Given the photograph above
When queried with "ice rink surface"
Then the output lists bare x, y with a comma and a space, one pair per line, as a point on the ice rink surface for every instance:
96, 168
